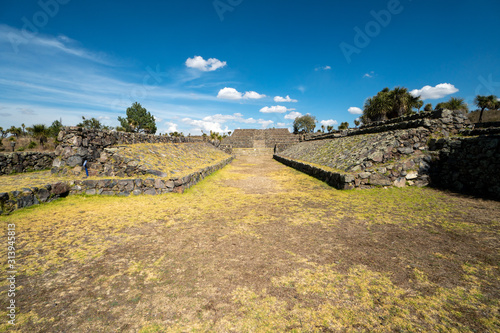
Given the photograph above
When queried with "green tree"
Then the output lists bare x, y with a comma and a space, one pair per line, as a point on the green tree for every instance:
41, 132
23, 126
486, 102
428, 107
329, 128
457, 104
138, 120
3, 133
55, 128
389, 104
419, 104
93, 123
344, 125
304, 124
15, 131
357, 122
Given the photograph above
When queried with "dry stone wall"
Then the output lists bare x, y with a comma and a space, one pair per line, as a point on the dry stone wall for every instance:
10, 201
18, 162
78, 144
469, 165
404, 153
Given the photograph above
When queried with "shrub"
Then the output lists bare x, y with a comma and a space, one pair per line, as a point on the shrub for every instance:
31, 145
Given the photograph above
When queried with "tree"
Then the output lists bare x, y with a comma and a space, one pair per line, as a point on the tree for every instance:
304, 124
486, 102
322, 128
344, 125
428, 107
389, 104
138, 120
329, 128
16, 131
419, 104
41, 132
357, 122
23, 126
3, 134
453, 104
93, 123
55, 128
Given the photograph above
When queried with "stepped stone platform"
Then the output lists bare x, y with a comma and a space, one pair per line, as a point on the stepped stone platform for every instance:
253, 151
257, 138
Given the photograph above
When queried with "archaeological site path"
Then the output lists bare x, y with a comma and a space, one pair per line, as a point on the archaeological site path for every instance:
258, 247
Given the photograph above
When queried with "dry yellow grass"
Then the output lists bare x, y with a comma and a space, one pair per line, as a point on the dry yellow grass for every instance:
290, 254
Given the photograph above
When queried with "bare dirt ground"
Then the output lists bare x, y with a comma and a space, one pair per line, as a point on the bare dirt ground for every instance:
259, 247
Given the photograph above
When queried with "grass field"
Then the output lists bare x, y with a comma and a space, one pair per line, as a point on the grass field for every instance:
257, 247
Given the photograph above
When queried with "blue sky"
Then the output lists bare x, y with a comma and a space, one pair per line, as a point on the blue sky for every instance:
226, 64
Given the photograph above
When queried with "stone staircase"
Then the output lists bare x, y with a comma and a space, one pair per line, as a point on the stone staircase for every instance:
253, 151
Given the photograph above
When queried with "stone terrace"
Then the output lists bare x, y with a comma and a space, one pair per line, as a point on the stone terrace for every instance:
256, 138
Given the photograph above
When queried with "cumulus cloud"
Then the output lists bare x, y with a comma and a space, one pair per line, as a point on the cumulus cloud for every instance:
274, 109
265, 123
279, 99
229, 93
329, 122
204, 125
172, 127
355, 110
201, 64
253, 95
439, 91
292, 115
233, 94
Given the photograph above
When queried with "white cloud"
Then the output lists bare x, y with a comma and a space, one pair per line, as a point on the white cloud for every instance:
253, 95
302, 89
281, 124
172, 127
229, 93
233, 94
292, 115
439, 91
355, 110
265, 123
324, 68
237, 117
329, 122
369, 75
279, 99
275, 109
209, 65
108, 118
204, 125
159, 120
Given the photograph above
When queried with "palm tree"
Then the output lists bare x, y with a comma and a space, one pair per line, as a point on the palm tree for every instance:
486, 102
457, 104
23, 126
418, 104
41, 132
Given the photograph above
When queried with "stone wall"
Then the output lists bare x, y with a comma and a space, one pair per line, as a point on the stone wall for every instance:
255, 138
397, 154
468, 165
123, 187
443, 122
78, 144
18, 162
